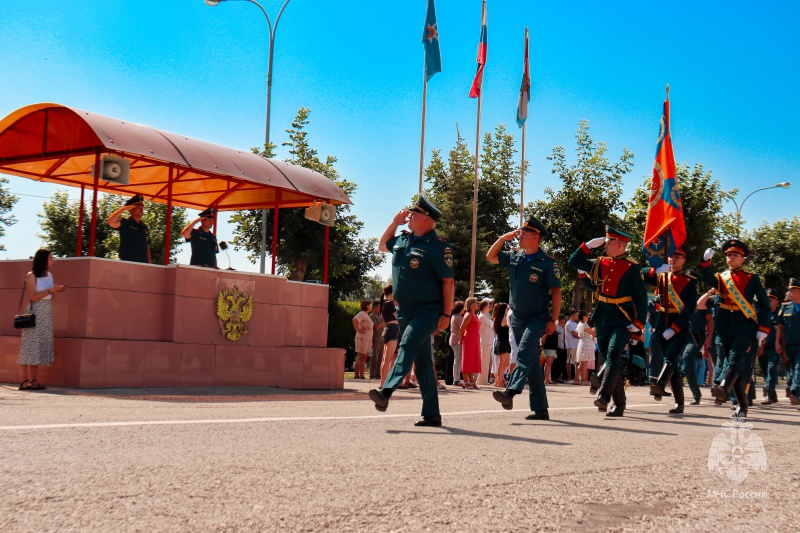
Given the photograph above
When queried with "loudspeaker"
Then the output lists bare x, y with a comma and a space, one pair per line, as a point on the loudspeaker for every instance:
325, 214
114, 169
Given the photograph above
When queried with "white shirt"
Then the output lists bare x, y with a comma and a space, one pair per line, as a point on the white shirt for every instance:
487, 329
572, 342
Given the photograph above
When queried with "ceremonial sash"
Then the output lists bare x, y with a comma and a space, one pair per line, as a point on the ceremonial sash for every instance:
736, 295
673, 296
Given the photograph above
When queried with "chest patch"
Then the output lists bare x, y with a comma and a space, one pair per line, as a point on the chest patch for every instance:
414, 263
534, 277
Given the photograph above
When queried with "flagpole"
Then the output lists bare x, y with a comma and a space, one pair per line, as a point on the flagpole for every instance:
522, 178
422, 137
475, 197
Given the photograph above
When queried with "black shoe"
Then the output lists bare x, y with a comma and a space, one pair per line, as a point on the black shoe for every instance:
788, 392
601, 404
666, 394
695, 402
429, 421
793, 399
767, 402
505, 399
656, 392
539, 415
615, 411
380, 399
677, 410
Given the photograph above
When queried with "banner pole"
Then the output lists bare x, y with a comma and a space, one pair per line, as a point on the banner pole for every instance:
422, 136
475, 198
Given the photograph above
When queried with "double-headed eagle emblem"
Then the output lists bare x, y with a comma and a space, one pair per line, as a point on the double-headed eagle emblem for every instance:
737, 451
234, 309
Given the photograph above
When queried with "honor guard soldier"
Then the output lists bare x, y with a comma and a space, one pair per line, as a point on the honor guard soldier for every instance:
621, 307
134, 235
422, 277
203, 241
534, 276
788, 340
737, 320
768, 356
675, 303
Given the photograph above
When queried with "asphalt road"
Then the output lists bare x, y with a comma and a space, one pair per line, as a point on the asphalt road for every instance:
264, 459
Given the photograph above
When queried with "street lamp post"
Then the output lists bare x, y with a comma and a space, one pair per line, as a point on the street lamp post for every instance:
781, 185
272, 30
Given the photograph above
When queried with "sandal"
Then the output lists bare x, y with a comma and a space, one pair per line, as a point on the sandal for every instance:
22, 385
35, 385
441, 386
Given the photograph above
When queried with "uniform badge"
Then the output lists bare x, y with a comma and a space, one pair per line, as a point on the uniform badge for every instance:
533, 277
556, 271
414, 263
448, 257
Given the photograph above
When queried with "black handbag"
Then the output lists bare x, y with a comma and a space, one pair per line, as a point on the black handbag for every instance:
27, 320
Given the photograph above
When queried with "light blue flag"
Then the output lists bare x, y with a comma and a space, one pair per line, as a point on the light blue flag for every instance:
430, 38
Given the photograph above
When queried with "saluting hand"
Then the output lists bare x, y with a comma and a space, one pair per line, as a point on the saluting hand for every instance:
511, 235
597, 242
401, 217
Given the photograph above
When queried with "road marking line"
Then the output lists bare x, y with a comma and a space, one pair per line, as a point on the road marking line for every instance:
276, 419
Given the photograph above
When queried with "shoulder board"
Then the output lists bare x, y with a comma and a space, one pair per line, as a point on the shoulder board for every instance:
440, 239
690, 274
550, 257
786, 305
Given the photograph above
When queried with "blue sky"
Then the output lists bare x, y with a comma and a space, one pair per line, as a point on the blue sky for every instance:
188, 68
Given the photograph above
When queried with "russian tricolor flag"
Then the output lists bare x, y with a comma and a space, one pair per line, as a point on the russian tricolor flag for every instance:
475, 91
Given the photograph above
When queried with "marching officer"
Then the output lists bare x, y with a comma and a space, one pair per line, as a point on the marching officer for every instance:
620, 310
788, 340
768, 356
675, 303
737, 320
203, 241
534, 277
423, 281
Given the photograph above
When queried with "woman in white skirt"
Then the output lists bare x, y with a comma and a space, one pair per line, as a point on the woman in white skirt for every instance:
585, 348
36, 344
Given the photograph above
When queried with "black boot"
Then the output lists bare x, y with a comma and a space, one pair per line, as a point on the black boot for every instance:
594, 380
657, 388
610, 378
677, 390
724, 387
740, 391
618, 394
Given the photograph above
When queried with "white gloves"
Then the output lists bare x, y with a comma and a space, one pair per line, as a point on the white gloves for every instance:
581, 272
709, 253
761, 336
597, 242
632, 328
663, 269
669, 333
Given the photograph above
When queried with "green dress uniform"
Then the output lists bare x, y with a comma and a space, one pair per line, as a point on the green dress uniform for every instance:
736, 323
419, 264
204, 248
789, 318
770, 357
532, 277
134, 240
676, 301
621, 301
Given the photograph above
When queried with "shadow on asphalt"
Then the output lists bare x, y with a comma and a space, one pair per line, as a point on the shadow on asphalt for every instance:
605, 428
467, 433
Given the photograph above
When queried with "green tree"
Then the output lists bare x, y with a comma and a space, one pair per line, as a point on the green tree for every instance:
589, 199
7, 201
59, 224
775, 252
301, 241
706, 224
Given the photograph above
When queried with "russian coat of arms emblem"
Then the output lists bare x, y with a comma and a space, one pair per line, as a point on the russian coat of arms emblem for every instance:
234, 310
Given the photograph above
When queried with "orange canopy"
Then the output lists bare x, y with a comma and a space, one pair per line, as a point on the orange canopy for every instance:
59, 144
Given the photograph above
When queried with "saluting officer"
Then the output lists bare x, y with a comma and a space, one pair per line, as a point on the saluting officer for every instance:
203, 241
423, 281
767, 352
134, 235
737, 320
621, 307
788, 341
534, 276
675, 303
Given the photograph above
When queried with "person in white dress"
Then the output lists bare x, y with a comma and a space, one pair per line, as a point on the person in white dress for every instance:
585, 348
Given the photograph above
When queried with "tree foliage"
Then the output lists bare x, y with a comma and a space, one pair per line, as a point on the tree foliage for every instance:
59, 224
301, 242
775, 252
452, 190
706, 224
590, 198
7, 201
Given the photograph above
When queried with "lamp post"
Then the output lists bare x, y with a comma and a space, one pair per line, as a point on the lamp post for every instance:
781, 185
272, 30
